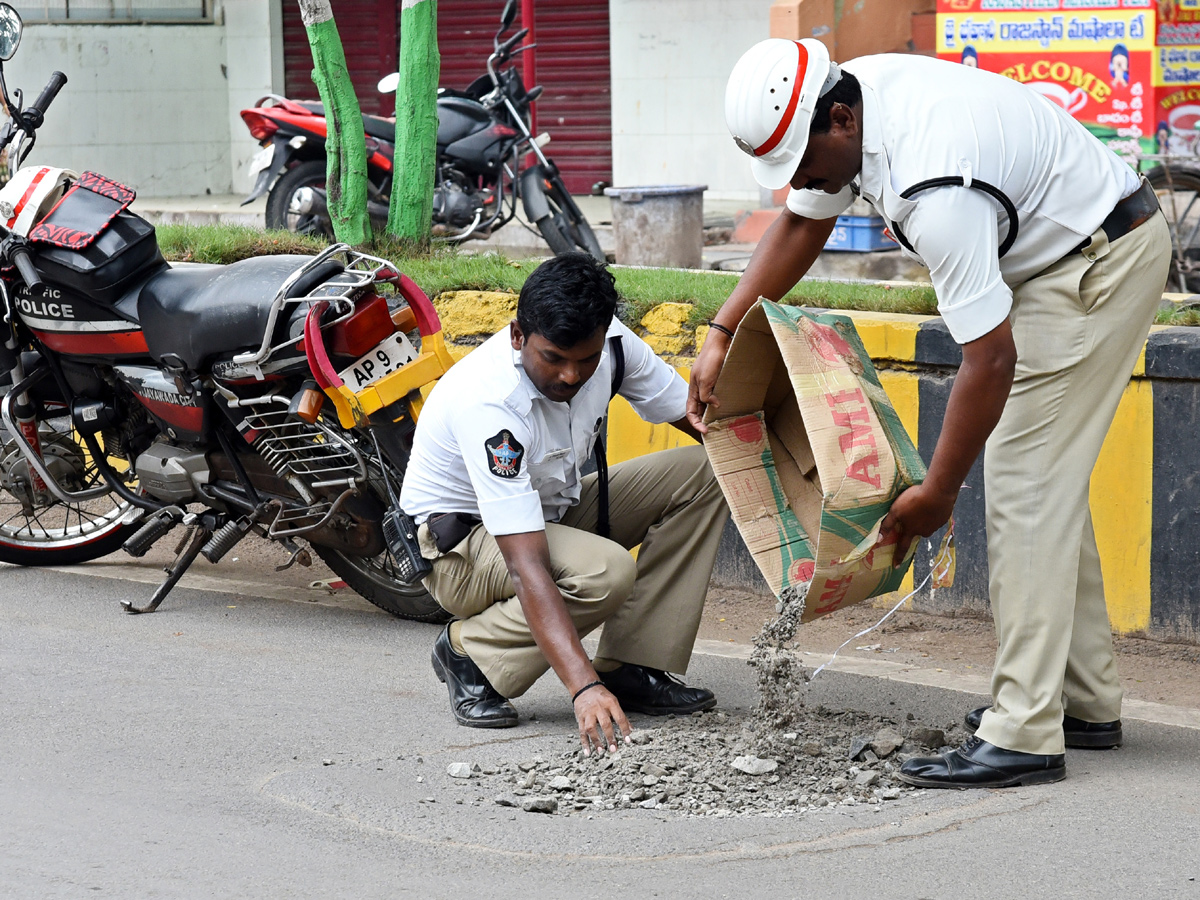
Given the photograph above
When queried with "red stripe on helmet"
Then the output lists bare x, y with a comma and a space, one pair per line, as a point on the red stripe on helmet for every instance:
25, 197
781, 129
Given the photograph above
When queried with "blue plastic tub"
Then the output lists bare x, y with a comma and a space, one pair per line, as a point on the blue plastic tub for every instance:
860, 234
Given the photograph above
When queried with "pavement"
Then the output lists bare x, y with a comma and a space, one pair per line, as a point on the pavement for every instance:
247, 742
519, 239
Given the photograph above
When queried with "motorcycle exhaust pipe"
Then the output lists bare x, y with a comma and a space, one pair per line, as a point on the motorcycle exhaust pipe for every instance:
311, 202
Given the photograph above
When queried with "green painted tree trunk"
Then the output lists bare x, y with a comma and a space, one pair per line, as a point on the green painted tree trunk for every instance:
411, 210
345, 143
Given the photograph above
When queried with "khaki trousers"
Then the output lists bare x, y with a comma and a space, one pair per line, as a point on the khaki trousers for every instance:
670, 503
1079, 327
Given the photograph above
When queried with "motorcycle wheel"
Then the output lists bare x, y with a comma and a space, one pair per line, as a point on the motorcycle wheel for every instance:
374, 579
58, 534
565, 229
1178, 190
279, 212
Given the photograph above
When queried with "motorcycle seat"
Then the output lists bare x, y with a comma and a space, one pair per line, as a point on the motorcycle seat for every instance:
197, 313
375, 126
384, 129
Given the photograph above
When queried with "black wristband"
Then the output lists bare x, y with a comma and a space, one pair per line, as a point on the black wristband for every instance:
586, 687
720, 328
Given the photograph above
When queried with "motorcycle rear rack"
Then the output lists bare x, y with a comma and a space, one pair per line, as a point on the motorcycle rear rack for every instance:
361, 271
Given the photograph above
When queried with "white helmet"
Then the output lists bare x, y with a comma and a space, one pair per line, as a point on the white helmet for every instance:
30, 195
769, 103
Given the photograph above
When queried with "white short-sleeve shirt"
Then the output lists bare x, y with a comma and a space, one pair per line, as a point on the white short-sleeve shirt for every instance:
926, 118
491, 444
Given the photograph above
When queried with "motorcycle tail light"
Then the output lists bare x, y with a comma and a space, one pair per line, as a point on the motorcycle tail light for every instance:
261, 127
370, 323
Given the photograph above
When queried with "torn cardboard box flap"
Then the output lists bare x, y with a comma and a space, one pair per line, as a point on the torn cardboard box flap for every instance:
810, 455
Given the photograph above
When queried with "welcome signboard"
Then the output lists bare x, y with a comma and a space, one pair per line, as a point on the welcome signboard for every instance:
1129, 70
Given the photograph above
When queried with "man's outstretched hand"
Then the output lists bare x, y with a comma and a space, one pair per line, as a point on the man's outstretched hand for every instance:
602, 722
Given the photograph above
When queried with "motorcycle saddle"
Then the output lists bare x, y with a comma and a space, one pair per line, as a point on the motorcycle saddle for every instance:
376, 126
198, 313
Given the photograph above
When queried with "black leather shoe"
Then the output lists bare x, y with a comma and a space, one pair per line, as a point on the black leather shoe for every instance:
654, 692
1076, 732
978, 764
473, 700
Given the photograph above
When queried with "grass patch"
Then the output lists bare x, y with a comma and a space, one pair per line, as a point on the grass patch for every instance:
1188, 315
446, 269
229, 243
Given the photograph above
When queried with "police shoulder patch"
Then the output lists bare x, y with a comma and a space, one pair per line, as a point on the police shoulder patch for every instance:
504, 454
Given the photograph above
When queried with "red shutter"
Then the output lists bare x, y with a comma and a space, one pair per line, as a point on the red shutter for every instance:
465, 32
369, 39
576, 107
572, 66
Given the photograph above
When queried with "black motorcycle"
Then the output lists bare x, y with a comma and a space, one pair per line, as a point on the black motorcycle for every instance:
483, 136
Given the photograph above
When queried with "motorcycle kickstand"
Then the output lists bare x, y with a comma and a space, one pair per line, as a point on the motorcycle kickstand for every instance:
196, 537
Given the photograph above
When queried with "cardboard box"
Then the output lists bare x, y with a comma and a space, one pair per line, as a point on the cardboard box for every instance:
796, 19
849, 30
810, 455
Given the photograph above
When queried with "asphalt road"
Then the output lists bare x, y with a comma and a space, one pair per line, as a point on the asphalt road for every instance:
247, 746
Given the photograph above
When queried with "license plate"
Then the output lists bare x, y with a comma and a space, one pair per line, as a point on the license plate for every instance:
261, 160
386, 358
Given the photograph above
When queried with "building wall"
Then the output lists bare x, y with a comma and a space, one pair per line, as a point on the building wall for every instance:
254, 62
153, 106
670, 60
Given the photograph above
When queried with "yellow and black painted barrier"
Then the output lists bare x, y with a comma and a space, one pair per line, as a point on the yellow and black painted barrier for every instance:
1145, 491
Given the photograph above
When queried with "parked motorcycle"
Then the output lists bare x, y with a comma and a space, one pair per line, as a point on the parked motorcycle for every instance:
275, 396
483, 137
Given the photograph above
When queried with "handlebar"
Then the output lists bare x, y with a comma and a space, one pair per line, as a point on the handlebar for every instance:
19, 256
506, 48
49, 92
29, 119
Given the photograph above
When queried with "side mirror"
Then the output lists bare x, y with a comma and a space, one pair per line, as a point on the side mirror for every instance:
509, 14
10, 31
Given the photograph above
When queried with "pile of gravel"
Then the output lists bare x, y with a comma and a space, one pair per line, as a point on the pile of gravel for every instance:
783, 759
714, 765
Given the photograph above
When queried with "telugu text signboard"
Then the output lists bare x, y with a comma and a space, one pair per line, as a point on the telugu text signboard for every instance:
1093, 58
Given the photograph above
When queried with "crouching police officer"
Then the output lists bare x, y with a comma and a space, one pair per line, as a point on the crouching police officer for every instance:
510, 523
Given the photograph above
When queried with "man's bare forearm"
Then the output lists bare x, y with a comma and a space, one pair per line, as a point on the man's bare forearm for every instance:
976, 402
786, 252
528, 559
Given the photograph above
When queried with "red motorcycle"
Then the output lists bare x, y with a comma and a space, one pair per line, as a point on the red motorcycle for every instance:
483, 137
275, 396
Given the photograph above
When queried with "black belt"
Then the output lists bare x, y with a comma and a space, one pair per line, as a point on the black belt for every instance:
1128, 214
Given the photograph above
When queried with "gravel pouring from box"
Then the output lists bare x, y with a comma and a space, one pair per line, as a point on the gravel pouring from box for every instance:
810, 455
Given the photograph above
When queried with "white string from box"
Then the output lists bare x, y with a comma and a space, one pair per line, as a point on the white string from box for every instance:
933, 565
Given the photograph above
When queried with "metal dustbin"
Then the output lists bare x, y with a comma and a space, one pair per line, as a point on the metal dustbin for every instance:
658, 225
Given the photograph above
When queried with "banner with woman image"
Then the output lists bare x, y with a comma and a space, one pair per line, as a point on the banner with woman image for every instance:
1094, 58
